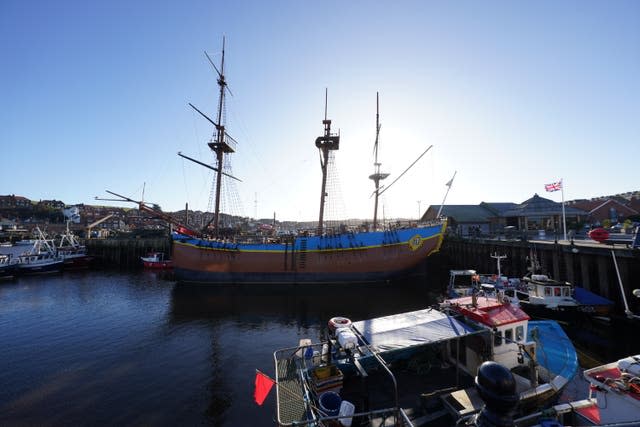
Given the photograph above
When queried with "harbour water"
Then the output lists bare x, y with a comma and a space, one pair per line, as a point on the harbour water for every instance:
128, 349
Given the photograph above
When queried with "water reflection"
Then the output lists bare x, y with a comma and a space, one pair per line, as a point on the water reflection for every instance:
302, 306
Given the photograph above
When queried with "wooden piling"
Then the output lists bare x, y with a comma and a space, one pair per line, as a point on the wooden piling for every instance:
126, 253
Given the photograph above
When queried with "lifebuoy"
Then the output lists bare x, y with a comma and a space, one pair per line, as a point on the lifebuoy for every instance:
338, 322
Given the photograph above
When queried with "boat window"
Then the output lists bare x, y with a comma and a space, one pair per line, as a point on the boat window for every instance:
556, 292
508, 336
567, 292
547, 292
497, 338
519, 333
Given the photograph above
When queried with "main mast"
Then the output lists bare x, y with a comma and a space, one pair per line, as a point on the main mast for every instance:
325, 143
220, 146
377, 176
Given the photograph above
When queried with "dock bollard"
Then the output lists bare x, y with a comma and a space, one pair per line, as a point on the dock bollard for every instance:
497, 388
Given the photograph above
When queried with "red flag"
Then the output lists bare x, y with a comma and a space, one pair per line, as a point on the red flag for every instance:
263, 387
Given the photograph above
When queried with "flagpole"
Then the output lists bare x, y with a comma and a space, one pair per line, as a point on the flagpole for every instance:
448, 184
564, 218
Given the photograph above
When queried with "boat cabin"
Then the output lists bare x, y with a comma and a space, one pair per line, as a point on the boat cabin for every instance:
551, 293
462, 282
507, 322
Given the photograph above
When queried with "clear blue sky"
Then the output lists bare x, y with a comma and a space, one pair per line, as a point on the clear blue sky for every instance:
512, 95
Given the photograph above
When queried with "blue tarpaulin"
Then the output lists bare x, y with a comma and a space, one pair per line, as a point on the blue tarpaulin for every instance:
586, 297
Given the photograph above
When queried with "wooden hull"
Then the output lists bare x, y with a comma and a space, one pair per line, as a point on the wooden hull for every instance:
345, 258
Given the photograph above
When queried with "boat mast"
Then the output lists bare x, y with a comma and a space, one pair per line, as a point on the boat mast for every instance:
220, 146
377, 176
498, 258
325, 143
223, 143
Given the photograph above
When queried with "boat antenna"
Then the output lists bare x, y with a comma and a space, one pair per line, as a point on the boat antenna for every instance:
325, 143
326, 102
448, 184
377, 176
498, 258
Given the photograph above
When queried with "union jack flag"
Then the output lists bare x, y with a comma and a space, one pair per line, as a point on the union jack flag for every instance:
554, 186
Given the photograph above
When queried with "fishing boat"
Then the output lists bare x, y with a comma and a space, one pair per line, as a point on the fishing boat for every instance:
546, 297
552, 357
8, 267
74, 254
466, 282
323, 255
614, 390
613, 399
418, 367
41, 258
156, 260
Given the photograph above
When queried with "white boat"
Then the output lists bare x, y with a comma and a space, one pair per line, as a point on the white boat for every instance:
615, 391
419, 366
546, 297
465, 282
8, 266
41, 258
74, 254
614, 399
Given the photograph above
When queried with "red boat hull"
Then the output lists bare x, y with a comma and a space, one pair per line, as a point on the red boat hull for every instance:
160, 265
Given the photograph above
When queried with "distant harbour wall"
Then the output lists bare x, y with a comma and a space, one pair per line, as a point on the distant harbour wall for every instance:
582, 263
126, 253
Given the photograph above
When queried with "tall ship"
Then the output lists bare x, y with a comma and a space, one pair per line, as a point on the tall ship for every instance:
323, 255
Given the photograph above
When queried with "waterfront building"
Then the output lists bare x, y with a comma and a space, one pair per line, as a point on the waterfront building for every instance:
607, 209
535, 213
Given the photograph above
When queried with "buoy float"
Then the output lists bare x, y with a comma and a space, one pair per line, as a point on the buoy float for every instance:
599, 234
338, 322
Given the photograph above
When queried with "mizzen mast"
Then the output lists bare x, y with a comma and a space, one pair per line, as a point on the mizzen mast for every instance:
377, 176
325, 143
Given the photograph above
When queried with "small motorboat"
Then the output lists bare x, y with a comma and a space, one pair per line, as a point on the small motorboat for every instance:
156, 260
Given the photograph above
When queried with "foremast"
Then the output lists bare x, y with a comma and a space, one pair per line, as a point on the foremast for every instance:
220, 146
325, 143
377, 176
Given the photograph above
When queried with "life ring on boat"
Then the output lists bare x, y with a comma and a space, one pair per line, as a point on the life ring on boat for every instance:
338, 322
